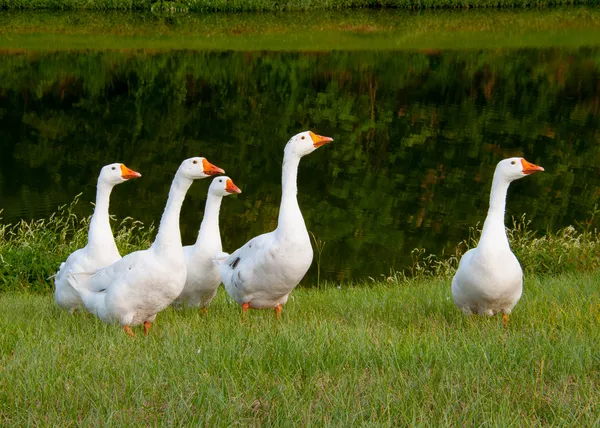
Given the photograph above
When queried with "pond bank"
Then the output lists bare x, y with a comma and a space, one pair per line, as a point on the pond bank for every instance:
284, 5
355, 30
31, 251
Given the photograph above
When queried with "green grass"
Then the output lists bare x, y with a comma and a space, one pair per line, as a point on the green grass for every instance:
31, 251
389, 355
270, 5
389, 352
308, 31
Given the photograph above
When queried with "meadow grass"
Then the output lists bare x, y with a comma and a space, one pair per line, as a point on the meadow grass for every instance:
32, 251
270, 5
378, 355
307, 31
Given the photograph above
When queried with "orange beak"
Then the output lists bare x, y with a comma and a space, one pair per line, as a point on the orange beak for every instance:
210, 169
529, 168
127, 173
231, 187
319, 140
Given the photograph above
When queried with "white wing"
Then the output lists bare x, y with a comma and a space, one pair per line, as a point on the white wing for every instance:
238, 270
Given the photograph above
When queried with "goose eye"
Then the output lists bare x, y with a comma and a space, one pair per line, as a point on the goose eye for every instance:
220, 181
114, 167
303, 137
195, 161
513, 162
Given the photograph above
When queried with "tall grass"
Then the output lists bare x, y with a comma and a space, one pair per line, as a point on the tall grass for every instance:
570, 249
31, 251
268, 5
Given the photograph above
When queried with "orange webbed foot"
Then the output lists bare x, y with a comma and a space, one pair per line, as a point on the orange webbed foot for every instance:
128, 331
146, 327
505, 320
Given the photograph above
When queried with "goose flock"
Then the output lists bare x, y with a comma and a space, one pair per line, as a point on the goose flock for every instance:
133, 289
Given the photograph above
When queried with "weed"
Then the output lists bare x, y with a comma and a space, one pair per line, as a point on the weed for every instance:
31, 251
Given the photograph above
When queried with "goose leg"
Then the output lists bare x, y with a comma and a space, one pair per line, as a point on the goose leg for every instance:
146, 327
245, 307
128, 331
505, 320
278, 310
204, 311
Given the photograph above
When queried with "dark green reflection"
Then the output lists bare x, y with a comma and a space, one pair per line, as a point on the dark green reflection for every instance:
417, 137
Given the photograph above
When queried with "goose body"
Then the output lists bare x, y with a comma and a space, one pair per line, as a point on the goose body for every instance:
100, 250
136, 288
263, 272
489, 278
202, 280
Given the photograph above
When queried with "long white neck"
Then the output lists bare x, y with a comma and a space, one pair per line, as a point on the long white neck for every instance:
169, 235
493, 235
290, 217
100, 237
209, 234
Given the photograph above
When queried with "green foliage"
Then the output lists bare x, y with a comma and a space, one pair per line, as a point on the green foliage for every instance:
280, 5
32, 251
350, 356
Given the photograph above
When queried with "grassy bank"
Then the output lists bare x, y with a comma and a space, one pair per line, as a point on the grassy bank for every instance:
340, 356
389, 352
341, 30
268, 5
31, 251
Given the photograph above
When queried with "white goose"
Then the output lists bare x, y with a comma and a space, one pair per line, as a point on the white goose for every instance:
263, 272
100, 250
202, 274
143, 283
489, 278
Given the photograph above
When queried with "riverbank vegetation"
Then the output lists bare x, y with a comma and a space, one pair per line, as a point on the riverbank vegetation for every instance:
365, 30
392, 350
31, 251
387, 351
282, 5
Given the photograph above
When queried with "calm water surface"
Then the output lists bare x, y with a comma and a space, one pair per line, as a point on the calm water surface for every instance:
417, 137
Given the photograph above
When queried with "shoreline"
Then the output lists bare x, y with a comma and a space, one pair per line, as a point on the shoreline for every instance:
210, 6
356, 30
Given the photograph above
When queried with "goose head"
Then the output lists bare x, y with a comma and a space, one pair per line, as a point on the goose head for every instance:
198, 167
223, 186
306, 142
514, 168
117, 173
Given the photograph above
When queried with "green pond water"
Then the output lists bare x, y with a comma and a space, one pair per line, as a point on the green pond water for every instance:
417, 132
